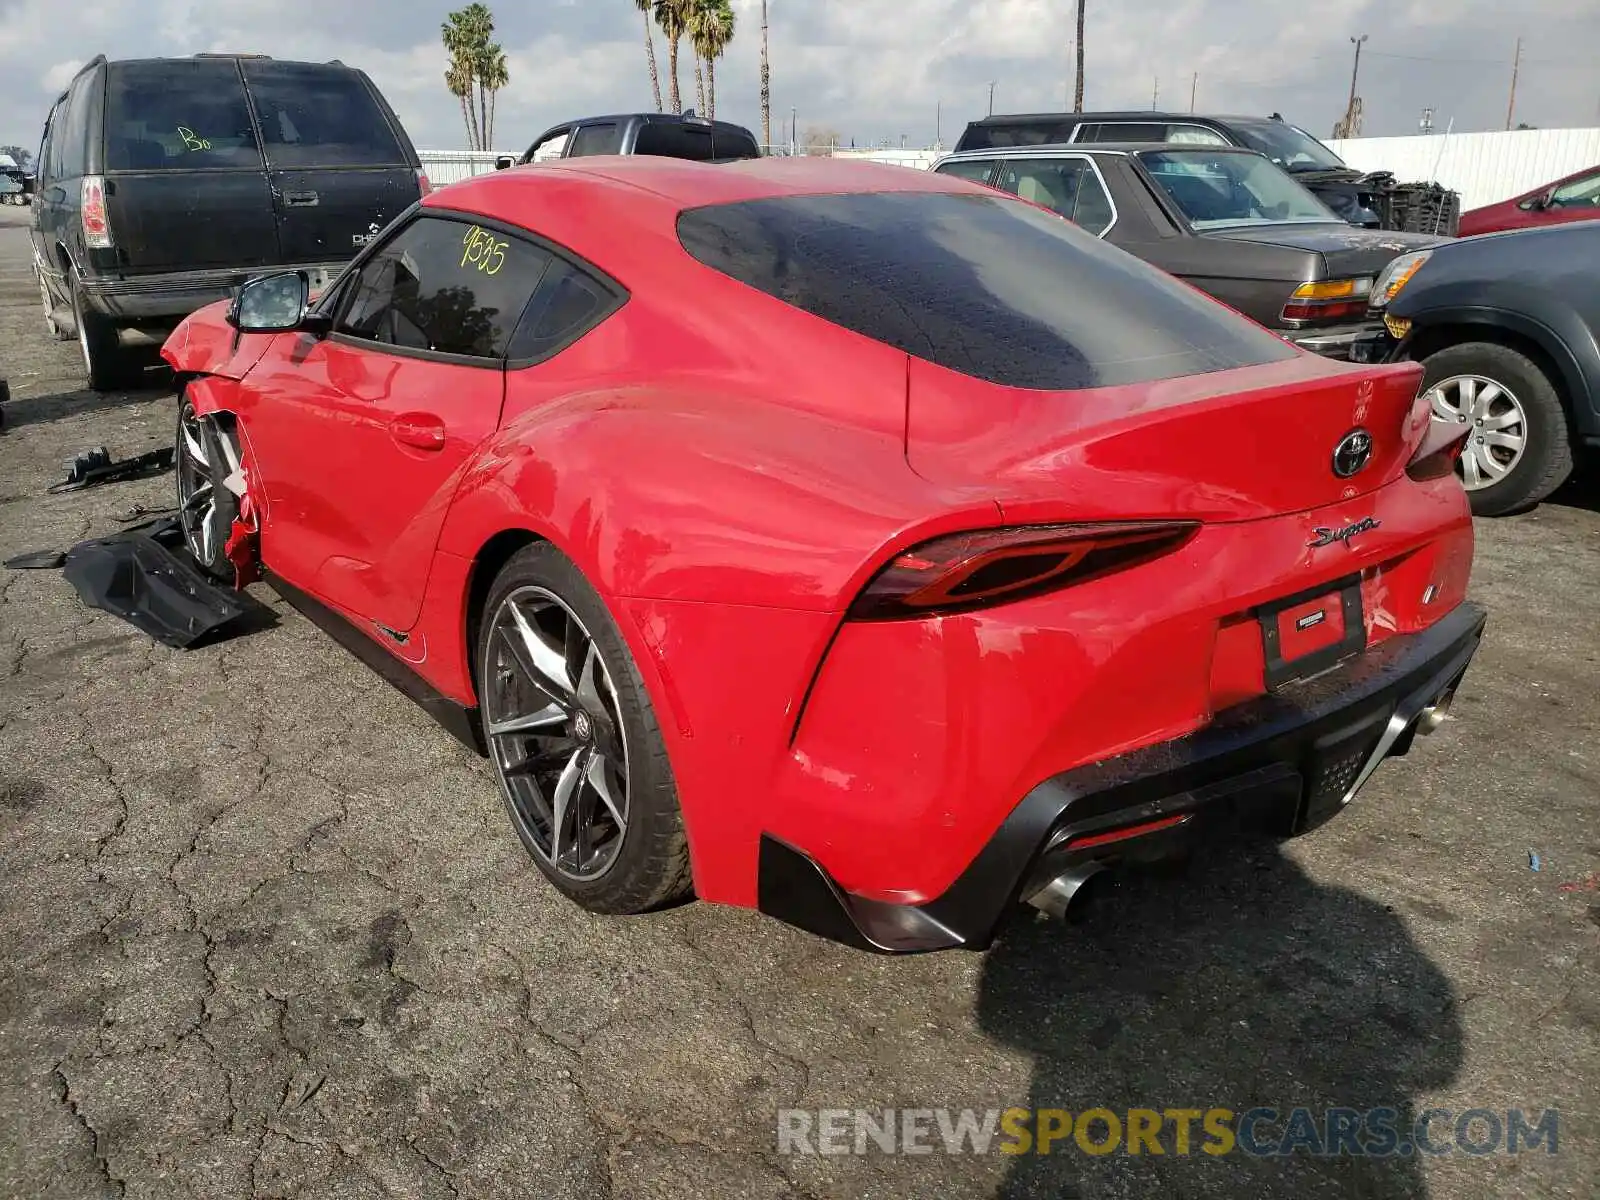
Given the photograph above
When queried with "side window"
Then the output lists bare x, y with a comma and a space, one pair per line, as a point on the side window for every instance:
72, 138
446, 287
978, 171
1195, 135
1067, 186
671, 140
604, 138
1580, 193
568, 303
550, 146
729, 146
48, 153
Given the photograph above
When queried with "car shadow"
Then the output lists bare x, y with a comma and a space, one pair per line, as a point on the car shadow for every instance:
1582, 488
54, 406
1234, 983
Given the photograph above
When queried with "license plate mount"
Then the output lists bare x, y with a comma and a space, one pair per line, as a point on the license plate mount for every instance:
1305, 634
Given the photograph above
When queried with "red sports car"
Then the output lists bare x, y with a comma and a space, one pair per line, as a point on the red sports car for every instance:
852, 542
1575, 198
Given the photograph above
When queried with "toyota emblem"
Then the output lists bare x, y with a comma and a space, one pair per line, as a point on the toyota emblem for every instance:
1353, 452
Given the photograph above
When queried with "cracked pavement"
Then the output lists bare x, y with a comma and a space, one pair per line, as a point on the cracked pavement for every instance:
266, 930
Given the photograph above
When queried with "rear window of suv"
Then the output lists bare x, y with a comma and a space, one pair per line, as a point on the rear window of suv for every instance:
177, 114
984, 285
320, 116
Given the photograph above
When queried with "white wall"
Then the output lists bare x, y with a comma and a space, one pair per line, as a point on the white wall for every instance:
1484, 167
452, 166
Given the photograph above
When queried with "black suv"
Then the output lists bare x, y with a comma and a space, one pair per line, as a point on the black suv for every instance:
1372, 200
663, 134
165, 183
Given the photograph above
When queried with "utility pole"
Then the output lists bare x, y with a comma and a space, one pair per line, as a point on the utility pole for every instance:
1516, 65
1194, 86
938, 124
1350, 108
794, 130
1077, 92
766, 85
1155, 93
991, 97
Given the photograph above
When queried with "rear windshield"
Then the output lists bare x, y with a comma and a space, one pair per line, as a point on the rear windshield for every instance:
178, 114
984, 285
1034, 133
320, 116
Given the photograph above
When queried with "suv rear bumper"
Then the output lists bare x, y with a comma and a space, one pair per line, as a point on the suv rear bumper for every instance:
171, 296
1289, 760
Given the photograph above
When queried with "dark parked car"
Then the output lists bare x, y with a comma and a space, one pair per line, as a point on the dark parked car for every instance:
165, 183
1505, 326
666, 134
1361, 199
1226, 220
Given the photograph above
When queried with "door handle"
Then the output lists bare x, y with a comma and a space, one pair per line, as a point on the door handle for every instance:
423, 431
300, 199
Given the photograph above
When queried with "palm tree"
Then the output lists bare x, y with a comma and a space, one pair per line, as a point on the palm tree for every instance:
1077, 96
458, 78
673, 17
710, 29
766, 85
493, 74
645, 7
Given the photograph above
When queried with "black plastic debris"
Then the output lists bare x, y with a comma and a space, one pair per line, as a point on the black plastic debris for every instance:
94, 467
157, 590
37, 560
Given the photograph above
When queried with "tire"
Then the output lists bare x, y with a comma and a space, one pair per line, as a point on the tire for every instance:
56, 329
1488, 384
206, 508
108, 366
620, 866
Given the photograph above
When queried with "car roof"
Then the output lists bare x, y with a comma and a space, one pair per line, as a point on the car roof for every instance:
653, 118
1142, 116
1117, 148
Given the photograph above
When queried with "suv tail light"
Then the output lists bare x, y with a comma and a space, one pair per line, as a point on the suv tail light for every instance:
423, 185
994, 566
1328, 300
92, 212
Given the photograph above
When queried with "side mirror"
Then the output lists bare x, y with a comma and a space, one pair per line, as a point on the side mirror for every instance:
1544, 200
29, 184
271, 303
504, 161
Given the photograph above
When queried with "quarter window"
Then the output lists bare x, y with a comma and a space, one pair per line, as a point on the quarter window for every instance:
568, 303
977, 172
445, 287
1068, 186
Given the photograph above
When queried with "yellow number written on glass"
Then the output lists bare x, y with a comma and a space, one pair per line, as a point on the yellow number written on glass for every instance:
483, 251
192, 140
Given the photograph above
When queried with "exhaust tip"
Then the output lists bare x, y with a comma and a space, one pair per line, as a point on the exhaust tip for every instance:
1065, 894
1432, 717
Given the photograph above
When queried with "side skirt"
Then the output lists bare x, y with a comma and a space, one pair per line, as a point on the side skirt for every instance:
457, 719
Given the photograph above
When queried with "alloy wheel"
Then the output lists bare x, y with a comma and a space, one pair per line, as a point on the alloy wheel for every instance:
1499, 427
555, 733
198, 512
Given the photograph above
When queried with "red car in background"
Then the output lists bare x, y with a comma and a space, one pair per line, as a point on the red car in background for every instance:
861, 544
1575, 198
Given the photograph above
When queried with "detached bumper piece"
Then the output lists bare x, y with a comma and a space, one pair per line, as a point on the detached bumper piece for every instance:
158, 591
1287, 761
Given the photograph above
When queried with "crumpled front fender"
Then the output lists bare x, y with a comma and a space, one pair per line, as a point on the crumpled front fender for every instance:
205, 344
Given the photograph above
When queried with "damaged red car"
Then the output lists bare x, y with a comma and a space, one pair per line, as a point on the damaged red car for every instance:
858, 544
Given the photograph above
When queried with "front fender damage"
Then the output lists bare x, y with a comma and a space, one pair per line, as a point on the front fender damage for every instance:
213, 399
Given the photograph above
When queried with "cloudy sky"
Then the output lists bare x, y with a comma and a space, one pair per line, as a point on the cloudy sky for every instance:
877, 69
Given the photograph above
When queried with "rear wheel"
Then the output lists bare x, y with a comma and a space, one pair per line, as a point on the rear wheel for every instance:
109, 367
1518, 449
583, 769
206, 508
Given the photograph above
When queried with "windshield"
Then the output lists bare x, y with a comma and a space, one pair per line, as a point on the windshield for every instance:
1291, 147
1212, 189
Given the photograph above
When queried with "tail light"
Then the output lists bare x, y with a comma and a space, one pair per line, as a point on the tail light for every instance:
1328, 300
994, 566
92, 212
423, 185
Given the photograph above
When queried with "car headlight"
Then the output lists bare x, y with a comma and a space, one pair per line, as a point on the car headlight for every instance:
1396, 275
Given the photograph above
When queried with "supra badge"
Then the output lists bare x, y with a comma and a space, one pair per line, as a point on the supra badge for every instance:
1352, 453
1327, 536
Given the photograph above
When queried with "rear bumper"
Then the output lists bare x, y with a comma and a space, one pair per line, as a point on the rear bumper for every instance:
1290, 760
171, 296
1332, 343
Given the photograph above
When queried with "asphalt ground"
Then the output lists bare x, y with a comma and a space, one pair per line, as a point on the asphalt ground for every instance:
266, 931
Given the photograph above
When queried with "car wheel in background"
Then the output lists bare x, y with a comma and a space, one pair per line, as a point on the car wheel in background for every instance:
56, 329
206, 508
1518, 449
574, 740
108, 366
